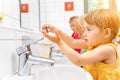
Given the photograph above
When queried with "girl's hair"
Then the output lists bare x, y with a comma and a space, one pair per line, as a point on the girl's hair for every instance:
104, 18
79, 24
72, 18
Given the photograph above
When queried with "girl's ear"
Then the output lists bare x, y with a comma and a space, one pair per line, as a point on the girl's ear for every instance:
108, 32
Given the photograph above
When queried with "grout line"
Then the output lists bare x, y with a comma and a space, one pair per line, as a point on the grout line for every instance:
21, 30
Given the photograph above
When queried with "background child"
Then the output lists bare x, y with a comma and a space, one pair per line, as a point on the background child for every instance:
79, 28
102, 60
75, 35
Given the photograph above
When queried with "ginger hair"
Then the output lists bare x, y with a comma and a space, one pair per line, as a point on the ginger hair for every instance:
104, 18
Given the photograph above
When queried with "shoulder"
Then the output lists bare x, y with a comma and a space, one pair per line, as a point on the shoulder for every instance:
107, 48
107, 52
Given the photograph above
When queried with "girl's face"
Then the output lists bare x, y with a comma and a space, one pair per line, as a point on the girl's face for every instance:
92, 35
72, 25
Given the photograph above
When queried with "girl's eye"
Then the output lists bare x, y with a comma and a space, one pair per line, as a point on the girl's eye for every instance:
89, 29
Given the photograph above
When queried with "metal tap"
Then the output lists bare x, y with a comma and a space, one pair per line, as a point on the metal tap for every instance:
26, 60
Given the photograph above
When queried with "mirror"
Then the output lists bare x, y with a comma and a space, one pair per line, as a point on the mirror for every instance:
30, 14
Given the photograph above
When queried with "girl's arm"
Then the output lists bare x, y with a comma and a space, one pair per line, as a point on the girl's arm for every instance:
105, 54
73, 43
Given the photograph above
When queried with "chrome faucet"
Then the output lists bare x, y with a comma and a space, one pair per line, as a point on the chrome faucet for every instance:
55, 53
26, 60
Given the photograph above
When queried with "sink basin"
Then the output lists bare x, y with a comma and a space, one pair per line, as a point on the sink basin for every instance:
16, 77
61, 72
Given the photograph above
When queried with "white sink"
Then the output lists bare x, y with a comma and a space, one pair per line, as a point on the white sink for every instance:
61, 72
16, 77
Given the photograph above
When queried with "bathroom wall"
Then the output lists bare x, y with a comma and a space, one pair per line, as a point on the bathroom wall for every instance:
51, 11
8, 58
10, 39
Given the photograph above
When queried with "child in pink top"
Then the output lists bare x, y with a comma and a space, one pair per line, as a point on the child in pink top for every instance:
75, 35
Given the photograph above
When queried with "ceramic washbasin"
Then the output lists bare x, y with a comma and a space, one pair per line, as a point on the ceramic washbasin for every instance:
61, 72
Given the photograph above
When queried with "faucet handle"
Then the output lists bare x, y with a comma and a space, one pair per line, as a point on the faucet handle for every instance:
22, 49
28, 40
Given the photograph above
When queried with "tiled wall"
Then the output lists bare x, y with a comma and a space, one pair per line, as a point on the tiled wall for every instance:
30, 19
56, 14
8, 58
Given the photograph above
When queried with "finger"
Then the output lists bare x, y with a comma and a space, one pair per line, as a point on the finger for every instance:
44, 32
57, 34
44, 26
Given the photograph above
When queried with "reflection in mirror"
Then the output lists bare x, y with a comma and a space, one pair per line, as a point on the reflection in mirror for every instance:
30, 14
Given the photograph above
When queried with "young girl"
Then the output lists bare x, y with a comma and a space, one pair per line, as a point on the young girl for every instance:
102, 58
75, 34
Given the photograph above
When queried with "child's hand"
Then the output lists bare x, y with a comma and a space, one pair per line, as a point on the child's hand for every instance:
51, 33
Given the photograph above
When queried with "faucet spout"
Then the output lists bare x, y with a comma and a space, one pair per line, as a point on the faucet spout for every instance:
34, 60
41, 60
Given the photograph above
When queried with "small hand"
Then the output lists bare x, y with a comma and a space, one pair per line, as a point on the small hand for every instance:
55, 37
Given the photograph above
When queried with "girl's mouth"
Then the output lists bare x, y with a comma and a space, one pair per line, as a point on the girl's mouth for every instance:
86, 40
